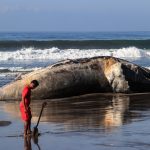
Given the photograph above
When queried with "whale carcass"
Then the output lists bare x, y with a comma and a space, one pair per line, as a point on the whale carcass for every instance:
80, 76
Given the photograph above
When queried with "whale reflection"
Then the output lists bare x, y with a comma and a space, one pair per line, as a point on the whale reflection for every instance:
84, 112
114, 115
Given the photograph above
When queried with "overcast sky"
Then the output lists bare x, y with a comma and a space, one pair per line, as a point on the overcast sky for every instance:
74, 15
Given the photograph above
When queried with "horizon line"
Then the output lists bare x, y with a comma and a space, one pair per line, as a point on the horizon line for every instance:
73, 31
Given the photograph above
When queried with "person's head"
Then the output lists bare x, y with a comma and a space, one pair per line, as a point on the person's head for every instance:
34, 84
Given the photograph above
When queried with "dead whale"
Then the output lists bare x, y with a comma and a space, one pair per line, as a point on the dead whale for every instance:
80, 76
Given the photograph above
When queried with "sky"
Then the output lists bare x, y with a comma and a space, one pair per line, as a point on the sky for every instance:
74, 15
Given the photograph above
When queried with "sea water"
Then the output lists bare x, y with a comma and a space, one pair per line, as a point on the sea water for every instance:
24, 52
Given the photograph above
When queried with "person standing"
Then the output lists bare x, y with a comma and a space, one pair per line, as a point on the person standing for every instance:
25, 106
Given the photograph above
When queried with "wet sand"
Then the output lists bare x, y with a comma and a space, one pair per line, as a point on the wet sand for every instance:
88, 122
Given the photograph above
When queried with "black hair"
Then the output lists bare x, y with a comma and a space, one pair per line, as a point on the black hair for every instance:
35, 82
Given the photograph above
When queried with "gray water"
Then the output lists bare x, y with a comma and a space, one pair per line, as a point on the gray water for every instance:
88, 122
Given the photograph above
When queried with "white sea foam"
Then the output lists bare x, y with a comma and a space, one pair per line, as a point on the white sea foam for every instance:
17, 69
8, 74
54, 54
57, 54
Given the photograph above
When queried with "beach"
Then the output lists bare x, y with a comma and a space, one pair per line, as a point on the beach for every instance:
93, 121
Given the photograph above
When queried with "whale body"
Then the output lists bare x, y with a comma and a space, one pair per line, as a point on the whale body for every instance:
75, 77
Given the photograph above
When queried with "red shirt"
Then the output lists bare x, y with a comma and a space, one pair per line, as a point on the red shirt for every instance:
26, 94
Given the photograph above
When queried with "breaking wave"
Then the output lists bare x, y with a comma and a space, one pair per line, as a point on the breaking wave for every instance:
58, 54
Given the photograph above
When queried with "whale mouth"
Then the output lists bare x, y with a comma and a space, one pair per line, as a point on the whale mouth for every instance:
4, 123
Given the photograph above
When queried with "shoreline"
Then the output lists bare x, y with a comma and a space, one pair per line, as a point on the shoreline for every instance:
82, 96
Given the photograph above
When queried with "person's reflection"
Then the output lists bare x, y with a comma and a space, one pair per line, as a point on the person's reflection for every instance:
27, 143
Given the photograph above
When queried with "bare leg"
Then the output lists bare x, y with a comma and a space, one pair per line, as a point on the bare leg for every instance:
29, 122
25, 128
29, 126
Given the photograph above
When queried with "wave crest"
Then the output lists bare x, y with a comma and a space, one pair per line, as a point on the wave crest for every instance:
57, 54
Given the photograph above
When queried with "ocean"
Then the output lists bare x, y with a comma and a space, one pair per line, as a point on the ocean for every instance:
25, 52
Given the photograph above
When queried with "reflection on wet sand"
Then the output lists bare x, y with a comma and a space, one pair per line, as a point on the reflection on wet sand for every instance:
114, 115
27, 143
82, 113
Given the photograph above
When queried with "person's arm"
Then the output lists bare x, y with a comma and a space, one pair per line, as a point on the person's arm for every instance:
25, 92
25, 106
